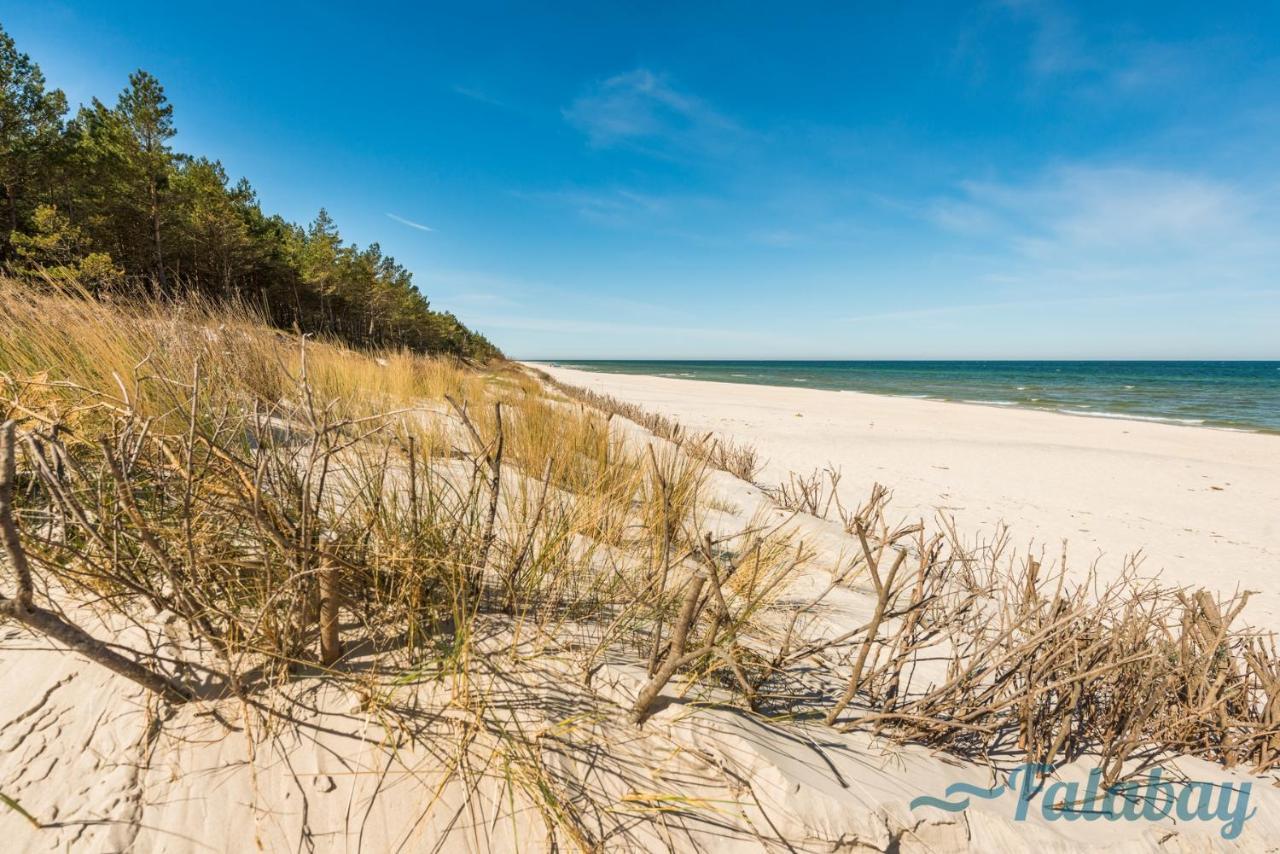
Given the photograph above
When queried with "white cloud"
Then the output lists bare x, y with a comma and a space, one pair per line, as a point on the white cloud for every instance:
781, 238
609, 207
410, 223
1097, 302
1099, 64
643, 108
1113, 255
471, 298
1055, 46
625, 207
603, 327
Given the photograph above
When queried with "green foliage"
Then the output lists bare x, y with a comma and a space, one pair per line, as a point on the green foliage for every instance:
30, 130
56, 250
104, 200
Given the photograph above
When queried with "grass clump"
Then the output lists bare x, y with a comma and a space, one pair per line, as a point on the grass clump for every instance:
738, 459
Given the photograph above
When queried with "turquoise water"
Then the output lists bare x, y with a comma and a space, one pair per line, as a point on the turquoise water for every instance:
1237, 395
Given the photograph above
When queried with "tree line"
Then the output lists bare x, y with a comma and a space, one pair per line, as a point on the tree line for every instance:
101, 198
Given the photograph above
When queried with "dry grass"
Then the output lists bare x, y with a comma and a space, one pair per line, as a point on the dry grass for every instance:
300, 507
308, 510
739, 460
992, 657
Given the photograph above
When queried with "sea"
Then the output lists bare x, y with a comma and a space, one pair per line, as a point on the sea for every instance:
1226, 395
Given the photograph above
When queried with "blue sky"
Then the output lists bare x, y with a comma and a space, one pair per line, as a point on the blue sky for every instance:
874, 180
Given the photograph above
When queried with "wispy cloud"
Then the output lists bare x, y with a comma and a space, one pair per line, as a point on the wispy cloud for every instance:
410, 223
637, 331
621, 207
644, 108
499, 290
1115, 229
780, 238
1083, 208
1095, 64
1048, 303
476, 299
1056, 46
480, 95
614, 206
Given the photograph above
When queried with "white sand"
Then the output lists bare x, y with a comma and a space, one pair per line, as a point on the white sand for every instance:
1202, 505
78, 749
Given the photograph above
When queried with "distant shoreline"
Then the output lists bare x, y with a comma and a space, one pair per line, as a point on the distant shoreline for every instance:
1187, 499
1236, 396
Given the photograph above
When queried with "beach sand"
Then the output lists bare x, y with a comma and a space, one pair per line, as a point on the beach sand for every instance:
1201, 505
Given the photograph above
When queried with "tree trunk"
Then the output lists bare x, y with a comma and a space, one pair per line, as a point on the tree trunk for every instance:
155, 227
6, 245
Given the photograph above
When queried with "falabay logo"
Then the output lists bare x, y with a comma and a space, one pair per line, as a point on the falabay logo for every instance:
1150, 799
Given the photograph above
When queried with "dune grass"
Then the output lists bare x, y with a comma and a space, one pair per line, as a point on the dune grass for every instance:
738, 459
310, 511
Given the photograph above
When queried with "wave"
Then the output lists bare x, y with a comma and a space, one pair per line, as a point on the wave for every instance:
1131, 417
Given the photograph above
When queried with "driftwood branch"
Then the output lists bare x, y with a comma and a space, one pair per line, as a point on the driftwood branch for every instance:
9, 528
676, 654
47, 623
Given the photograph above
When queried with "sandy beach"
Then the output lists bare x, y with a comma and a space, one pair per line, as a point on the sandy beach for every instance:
541, 718
907, 479
1201, 505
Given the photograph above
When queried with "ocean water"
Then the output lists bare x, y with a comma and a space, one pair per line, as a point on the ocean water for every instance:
1234, 395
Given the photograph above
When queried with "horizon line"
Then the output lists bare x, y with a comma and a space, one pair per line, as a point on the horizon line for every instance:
910, 359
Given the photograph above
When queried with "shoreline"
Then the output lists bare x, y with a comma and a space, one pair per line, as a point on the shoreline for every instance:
1081, 410
1193, 423
1201, 506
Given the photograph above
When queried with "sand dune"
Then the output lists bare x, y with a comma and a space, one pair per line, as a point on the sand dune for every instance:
83, 751
317, 764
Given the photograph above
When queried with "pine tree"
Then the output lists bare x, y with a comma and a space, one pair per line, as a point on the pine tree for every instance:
104, 197
147, 116
30, 127
56, 250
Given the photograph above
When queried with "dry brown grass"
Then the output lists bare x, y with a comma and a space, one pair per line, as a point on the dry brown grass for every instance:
738, 459
301, 507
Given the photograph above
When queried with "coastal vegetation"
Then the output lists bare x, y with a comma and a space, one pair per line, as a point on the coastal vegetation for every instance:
260, 513
102, 199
